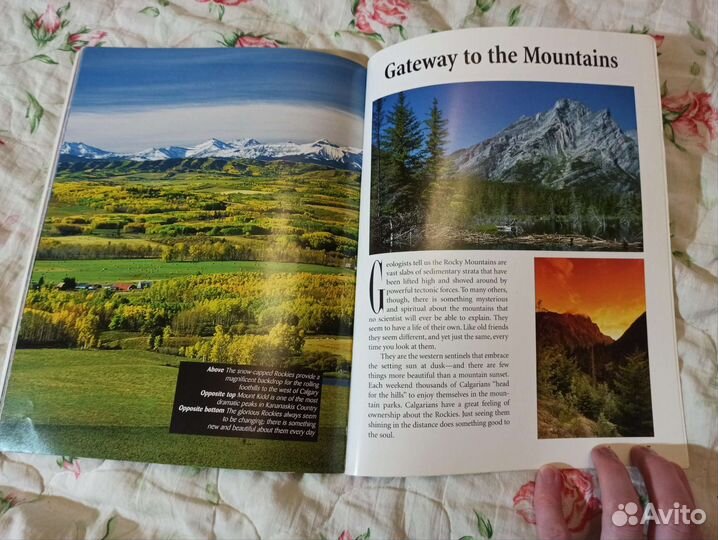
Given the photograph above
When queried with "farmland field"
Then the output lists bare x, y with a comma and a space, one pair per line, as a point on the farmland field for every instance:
108, 271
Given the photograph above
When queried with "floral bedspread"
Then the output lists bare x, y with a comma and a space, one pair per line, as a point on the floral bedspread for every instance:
70, 497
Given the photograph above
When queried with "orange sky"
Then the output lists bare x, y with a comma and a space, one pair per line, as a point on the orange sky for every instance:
610, 291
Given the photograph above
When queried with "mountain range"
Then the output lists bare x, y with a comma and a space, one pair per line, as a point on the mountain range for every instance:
569, 145
320, 152
575, 331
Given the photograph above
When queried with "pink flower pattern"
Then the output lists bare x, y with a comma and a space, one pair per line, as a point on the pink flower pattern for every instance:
371, 17
71, 464
524, 502
49, 21
242, 40
580, 505
346, 535
45, 26
224, 2
658, 38
85, 38
691, 117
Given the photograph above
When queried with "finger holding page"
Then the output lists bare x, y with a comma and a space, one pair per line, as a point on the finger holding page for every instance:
618, 497
548, 506
668, 491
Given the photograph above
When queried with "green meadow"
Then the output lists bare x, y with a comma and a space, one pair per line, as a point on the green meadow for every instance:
109, 271
118, 404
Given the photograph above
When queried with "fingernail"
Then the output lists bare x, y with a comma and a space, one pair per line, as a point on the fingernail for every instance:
549, 474
645, 450
607, 451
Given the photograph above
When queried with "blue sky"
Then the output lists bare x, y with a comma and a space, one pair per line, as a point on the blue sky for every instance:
479, 110
184, 96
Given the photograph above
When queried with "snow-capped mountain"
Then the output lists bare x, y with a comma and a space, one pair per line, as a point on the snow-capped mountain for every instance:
156, 154
210, 148
568, 145
85, 151
321, 152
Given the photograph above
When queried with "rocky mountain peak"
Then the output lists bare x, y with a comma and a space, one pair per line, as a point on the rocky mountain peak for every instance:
570, 106
569, 144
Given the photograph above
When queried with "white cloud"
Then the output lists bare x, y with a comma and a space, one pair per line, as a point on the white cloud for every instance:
132, 131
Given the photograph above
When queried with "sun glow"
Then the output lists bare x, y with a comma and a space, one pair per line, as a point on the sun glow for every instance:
610, 291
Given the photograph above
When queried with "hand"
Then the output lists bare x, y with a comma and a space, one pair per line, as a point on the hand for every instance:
666, 483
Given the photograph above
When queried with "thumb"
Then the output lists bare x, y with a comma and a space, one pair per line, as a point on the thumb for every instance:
550, 522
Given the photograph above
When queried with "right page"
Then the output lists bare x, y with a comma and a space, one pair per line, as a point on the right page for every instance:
514, 295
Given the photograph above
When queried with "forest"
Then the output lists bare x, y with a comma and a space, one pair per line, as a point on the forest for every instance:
242, 211
420, 200
242, 318
589, 388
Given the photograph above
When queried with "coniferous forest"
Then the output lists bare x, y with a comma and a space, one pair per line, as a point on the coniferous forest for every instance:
589, 387
541, 183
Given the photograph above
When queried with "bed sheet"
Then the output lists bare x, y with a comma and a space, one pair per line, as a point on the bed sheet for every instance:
69, 497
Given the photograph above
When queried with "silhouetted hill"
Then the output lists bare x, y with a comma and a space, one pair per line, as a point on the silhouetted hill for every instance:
568, 330
634, 339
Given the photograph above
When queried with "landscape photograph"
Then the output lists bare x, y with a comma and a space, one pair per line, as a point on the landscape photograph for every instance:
506, 165
205, 208
592, 365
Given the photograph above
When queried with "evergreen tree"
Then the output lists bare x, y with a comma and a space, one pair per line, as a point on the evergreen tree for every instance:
629, 215
434, 150
632, 387
377, 146
576, 216
378, 178
404, 140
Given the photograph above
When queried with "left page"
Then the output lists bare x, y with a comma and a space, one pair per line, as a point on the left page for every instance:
191, 298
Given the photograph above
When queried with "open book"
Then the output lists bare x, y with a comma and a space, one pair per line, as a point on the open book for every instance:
453, 260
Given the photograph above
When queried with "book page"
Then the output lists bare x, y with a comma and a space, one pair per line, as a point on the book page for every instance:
514, 303
191, 298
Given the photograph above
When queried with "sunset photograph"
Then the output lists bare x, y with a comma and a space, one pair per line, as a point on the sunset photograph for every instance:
592, 348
